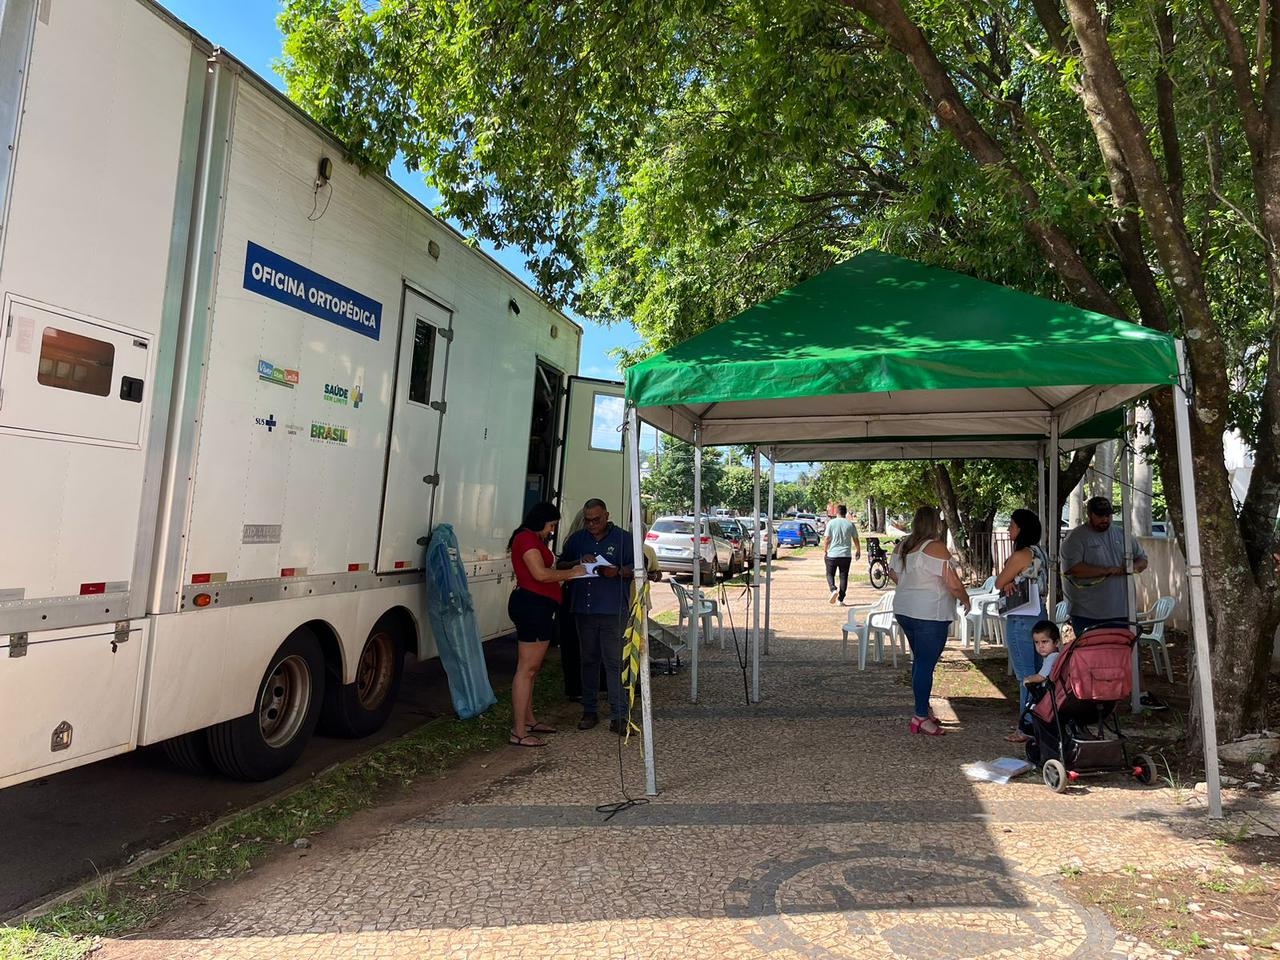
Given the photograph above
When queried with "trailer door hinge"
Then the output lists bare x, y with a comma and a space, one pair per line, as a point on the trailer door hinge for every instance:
439, 405
121, 635
445, 335
431, 478
17, 645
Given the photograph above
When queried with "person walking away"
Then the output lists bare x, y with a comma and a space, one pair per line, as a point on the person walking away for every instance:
1030, 565
532, 607
600, 608
840, 539
924, 604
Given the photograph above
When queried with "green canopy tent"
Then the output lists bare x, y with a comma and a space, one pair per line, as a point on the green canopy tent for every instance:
879, 348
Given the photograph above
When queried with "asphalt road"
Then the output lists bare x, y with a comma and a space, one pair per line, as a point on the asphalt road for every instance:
59, 831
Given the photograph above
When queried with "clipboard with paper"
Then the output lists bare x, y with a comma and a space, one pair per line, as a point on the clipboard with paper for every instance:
1023, 601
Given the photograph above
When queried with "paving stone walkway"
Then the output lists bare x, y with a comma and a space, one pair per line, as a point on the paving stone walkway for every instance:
811, 825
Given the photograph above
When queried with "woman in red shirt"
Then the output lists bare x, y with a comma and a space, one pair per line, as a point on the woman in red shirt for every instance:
532, 608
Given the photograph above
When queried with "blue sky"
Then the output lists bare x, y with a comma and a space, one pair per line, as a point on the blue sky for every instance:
247, 29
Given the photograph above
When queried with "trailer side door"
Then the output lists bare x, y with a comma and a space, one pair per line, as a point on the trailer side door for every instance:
413, 450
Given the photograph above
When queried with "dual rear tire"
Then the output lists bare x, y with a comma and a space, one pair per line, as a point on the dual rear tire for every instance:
297, 695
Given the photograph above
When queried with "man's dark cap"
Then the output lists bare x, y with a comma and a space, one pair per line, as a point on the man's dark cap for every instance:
1099, 507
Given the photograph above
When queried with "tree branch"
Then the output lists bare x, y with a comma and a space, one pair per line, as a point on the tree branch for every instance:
951, 109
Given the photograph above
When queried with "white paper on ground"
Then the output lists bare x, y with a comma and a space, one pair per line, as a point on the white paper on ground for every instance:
1001, 770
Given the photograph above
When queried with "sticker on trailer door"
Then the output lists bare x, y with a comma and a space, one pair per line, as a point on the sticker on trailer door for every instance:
292, 284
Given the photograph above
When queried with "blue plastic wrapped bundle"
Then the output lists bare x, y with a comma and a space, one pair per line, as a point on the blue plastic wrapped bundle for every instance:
453, 621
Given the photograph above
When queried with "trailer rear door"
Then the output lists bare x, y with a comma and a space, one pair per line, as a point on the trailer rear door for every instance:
412, 476
593, 464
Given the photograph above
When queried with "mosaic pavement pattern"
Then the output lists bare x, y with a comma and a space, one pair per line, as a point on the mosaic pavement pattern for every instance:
808, 826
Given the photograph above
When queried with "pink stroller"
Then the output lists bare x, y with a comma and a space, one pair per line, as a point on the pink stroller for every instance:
1074, 727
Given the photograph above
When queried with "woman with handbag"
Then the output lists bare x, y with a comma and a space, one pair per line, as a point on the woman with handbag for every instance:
1025, 578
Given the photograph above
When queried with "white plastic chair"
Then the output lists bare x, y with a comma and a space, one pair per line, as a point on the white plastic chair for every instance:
866, 620
708, 610
974, 624
1062, 613
881, 626
1151, 624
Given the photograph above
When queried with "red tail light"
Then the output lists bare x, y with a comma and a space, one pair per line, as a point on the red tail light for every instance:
704, 539
651, 536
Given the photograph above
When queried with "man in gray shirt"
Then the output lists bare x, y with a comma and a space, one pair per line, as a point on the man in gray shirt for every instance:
1093, 569
838, 543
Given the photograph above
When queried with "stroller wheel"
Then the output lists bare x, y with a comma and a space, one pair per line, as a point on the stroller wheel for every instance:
1055, 775
1144, 769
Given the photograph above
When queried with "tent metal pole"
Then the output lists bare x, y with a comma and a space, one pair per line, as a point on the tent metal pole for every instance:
1195, 578
695, 606
641, 577
1053, 515
1040, 499
755, 585
768, 546
1130, 587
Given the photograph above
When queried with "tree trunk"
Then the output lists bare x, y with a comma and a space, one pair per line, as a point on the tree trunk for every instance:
951, 514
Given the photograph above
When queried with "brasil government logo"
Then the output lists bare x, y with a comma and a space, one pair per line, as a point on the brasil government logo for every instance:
329, 433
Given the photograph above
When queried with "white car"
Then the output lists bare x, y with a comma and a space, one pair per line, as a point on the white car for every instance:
762, 535
672, 540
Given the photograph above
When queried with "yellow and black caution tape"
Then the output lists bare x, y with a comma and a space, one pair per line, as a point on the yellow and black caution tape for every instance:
633, 644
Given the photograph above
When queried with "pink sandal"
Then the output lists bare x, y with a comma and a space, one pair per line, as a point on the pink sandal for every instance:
918, 726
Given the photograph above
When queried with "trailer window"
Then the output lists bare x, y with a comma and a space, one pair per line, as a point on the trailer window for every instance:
607, 412
69, 361
424, 350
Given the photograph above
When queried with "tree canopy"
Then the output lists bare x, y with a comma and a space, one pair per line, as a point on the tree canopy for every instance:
672, 162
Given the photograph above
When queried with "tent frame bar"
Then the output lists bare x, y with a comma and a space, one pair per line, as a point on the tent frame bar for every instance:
1202, 663
641, 575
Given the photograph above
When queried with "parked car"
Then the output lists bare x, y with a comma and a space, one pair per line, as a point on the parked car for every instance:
797, 533
762, 540
672, 540
1161, 528
812, 519
741, 538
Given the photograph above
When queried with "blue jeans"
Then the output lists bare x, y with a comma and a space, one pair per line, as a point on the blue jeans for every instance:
927, 638
1022, 651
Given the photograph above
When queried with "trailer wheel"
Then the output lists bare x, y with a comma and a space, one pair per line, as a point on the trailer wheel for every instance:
189, 751
267, 742
360, 708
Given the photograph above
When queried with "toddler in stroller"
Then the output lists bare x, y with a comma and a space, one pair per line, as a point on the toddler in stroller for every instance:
1073, 725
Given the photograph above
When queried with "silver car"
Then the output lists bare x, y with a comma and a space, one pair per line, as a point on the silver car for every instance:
672, 540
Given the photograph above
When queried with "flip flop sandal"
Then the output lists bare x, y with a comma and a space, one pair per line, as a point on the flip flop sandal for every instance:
540, 728
525, 741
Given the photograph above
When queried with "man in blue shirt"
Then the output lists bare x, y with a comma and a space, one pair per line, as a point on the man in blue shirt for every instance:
600, 608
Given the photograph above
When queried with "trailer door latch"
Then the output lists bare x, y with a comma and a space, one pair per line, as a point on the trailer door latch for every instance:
17, 645
121, 634
431, 478
439, 406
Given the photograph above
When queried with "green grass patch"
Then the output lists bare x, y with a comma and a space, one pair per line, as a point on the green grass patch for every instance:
72, 931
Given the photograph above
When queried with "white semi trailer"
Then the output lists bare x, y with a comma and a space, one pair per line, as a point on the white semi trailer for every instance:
238, 382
